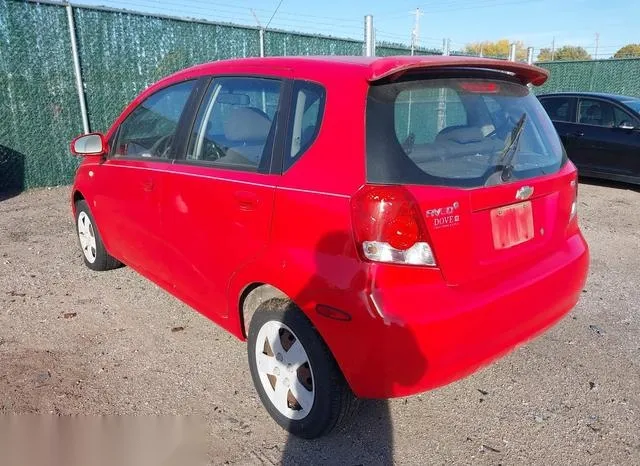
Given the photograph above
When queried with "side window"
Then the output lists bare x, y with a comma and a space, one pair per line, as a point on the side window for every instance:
308, 108
236, 123
620, 117
150, 128
597, 113
558, 108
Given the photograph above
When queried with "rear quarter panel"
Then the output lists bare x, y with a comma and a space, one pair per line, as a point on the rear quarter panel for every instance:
312, 252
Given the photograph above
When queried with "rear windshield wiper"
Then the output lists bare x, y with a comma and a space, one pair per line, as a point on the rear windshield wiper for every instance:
511, 150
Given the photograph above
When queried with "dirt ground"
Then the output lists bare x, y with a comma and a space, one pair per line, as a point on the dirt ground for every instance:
73, 341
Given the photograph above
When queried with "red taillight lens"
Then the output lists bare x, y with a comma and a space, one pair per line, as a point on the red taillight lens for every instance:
388, 226
403, 231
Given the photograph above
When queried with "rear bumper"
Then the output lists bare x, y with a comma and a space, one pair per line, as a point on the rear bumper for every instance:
430, 335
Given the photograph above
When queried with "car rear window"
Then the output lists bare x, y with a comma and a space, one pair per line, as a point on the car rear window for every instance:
465, 131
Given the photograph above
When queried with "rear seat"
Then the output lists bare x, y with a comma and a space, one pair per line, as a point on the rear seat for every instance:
453, 142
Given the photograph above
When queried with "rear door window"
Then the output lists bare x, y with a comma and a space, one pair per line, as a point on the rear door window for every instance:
464, 131
559, 108
236, 123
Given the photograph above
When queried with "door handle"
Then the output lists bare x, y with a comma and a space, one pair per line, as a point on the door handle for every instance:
246, 199
147, 186
578, 134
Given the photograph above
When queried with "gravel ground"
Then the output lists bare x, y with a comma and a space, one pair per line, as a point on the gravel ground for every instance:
73, 341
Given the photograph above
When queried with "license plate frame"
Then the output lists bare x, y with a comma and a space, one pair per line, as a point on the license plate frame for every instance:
512, 225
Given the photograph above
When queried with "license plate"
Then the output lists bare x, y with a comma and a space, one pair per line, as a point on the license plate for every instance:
512, 225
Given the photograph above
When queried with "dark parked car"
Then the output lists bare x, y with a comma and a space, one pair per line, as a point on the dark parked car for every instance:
601, 132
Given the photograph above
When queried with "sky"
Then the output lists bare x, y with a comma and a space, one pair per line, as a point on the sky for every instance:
534, 22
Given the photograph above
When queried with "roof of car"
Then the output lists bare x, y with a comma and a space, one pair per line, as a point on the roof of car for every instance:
369, 68
602, 95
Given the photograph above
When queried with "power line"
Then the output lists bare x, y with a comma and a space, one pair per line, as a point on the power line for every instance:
241, 18
474, 4
274, 13
224, 10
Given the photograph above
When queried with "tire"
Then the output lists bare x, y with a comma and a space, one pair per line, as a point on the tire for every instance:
327, 400
94, 253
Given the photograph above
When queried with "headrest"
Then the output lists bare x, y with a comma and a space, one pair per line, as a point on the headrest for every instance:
246, 124
464, 135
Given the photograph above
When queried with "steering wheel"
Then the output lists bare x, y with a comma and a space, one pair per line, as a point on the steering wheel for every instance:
161, 147
211, 150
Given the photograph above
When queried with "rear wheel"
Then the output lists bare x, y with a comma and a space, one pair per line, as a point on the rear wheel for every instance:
294, 373
94, 253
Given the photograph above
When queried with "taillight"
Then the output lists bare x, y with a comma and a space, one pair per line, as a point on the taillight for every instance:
388, 226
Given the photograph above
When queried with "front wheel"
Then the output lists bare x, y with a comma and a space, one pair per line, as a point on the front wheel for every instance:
95, 255
294, 373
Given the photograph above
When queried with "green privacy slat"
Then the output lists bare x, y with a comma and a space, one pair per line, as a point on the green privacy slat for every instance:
121, 53
39, 111
614, 76
281, 43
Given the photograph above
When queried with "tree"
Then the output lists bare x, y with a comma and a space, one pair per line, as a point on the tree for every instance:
497, 49
545, 55
565, 53
628, 51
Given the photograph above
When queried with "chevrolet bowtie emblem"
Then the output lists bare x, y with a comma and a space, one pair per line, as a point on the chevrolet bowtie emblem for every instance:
524, 193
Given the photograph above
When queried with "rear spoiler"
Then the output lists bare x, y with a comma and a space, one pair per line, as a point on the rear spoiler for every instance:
394, 67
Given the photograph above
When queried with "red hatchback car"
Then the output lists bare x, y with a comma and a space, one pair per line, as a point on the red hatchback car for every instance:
374, 227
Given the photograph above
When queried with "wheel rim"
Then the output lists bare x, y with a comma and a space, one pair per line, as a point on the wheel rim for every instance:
87, 236
284, 370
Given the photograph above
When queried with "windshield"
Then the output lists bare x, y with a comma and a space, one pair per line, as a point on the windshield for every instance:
633, 104
466, 132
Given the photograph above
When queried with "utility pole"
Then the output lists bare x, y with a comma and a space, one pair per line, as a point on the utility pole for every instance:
553, 49
595, 55
369, 40
415, 34
446, 47
261, 38
512, 51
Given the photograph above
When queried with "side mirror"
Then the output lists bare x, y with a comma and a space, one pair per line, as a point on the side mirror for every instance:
89, 144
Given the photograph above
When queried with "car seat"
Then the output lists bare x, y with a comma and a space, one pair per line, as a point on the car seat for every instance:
593, 115
246, 129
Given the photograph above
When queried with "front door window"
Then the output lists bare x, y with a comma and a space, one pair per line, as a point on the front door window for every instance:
149, 130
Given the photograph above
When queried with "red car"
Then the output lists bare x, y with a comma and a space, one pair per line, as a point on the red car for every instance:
373, 227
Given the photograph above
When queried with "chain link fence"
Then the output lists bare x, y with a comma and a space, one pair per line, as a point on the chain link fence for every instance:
38, 101
613, 76
121, 53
